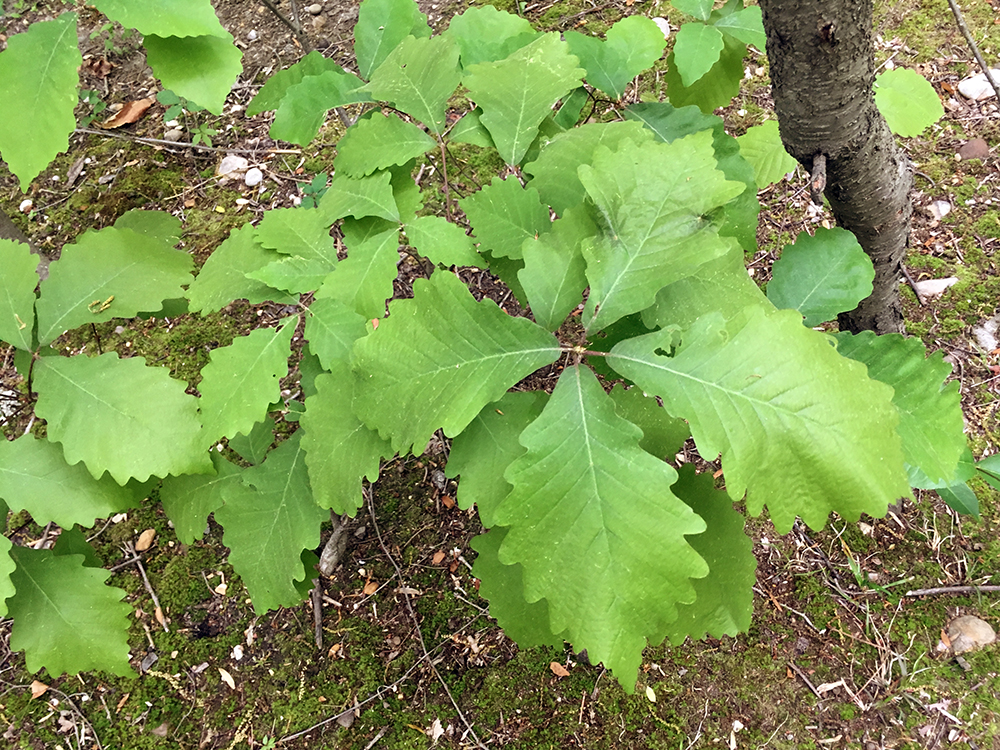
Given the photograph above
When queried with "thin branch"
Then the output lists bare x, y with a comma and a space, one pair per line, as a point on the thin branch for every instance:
952, 590
156, 601
175, 144
295, 27
795, 667
956, 11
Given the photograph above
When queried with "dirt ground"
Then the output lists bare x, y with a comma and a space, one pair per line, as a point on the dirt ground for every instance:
839, 655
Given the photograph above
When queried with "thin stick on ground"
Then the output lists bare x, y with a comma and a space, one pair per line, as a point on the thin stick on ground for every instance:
957, 12
952, 590
145, 580
416, 623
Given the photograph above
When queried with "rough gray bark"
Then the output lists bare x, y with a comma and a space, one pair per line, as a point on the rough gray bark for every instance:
822, 70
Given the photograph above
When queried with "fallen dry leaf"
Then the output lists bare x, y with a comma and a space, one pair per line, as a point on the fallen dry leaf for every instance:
447, 502
558, 669
227, 678
38, 688
438, 557
129, 113
435, 731
145, 540
97, 66
370, 588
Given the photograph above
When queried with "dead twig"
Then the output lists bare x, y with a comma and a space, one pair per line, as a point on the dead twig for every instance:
952, 590
160, 616
957, 12
795, 668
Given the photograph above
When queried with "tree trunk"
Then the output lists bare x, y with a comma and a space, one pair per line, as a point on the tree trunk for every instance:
822, 70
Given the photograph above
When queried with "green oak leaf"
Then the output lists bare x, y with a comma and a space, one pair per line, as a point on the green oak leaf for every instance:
119, 416
930, 408
113, 273
662, 435
696, 49
305, 104
224, 278
482, 452
254, 446
596, 528
294, 231
438, 359
554, 173
365, 196
724, 599
378, 142
242, 379
331, 329
340, 450
486, 34
632, 45
274, 89
442, 241
17, 293
38, 71
188, 499
714, 89
571, 108
6, 569
960, 498
202, 69
800, 428
158, 225
381, 26
907, 101
73, 541
174, 18
418, 77
470, 129
293, 274
761, 146
35, 477
363, 282
700, 9
669, 123
66, 620
821, 275
271, 515
721, 285
554, 274
656, 201
503, 586
517, 93
745, 25
503, 215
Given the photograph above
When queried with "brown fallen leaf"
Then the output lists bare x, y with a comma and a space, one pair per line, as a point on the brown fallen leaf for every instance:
370, 588
438, 557
38, 689
558, 669
447, 501
97, 66
129, 113
145, 540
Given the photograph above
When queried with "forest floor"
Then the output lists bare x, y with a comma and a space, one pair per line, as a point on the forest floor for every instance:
839, 654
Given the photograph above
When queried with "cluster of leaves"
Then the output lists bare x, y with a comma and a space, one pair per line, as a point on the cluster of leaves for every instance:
594, 535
